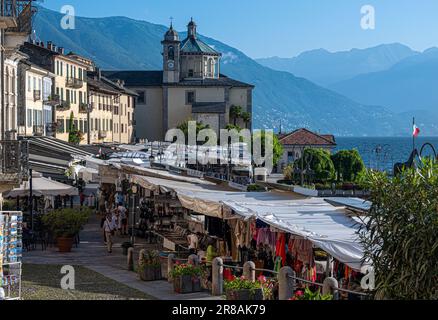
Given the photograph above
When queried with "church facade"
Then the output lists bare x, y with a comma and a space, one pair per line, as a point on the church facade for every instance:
190, 87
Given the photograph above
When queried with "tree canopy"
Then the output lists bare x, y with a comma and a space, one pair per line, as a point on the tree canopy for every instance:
348, 165
320, 162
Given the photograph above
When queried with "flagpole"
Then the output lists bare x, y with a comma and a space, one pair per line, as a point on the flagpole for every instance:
413, 135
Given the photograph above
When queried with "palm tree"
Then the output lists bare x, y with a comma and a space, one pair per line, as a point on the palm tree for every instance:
235, 113
246, 117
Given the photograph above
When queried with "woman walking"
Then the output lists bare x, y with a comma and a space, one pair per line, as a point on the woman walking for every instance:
109, 227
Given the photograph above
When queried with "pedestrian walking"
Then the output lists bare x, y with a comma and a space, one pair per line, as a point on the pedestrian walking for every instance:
109, 229
123, 213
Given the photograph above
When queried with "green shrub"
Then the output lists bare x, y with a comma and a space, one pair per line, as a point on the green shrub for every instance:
186, 270
66, 223
255, 188
401, 235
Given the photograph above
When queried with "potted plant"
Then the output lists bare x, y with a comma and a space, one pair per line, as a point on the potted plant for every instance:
149, 266
307, 294
125, 246
64, 225
187, 278
241, 289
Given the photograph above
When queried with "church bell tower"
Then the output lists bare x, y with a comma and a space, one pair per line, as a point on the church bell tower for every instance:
171, 56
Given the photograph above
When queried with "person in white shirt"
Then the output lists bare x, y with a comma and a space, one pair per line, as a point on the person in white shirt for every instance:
109, 226
193, 241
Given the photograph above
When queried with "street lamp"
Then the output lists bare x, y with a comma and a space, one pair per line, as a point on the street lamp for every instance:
134, 192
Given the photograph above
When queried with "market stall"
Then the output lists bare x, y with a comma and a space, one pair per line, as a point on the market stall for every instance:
272, 229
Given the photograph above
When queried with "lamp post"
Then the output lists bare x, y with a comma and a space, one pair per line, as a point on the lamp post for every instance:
89, 110
134, 192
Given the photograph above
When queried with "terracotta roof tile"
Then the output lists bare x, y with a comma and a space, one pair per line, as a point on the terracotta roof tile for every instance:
307, 137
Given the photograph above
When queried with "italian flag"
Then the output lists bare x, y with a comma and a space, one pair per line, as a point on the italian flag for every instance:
416, 131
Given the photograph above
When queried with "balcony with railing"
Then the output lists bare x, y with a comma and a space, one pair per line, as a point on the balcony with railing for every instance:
52, 100
17, 16
14, 158
63, 105
84, 107
74, 83
36, 95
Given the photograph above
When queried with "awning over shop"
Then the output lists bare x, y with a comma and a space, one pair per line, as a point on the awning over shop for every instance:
165, 175
43, 187
329, 228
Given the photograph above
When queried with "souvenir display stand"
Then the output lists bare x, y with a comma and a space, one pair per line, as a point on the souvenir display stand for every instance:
11, 233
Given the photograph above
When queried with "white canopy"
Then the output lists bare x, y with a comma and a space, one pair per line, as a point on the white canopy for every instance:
202, 196
43, 187
328, 227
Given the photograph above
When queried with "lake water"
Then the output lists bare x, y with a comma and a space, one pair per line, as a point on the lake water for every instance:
383, 153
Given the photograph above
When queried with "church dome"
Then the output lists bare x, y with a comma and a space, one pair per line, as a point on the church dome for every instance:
171, 35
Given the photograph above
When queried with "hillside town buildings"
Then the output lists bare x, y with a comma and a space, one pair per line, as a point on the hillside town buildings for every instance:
99, 110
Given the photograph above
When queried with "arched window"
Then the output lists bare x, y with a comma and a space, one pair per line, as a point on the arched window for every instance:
171, 53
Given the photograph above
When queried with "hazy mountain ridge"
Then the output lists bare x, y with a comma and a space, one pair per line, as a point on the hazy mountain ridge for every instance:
123, 43
409, 86
326, 68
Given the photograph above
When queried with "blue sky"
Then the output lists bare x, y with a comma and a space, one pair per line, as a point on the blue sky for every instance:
284, 28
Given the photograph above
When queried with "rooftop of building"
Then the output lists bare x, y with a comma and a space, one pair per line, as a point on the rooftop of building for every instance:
155, 79
193, 45
97, 81
305, 137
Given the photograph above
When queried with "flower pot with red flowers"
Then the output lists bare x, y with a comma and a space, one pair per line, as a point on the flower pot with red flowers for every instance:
308, 294
187, 278
64, 225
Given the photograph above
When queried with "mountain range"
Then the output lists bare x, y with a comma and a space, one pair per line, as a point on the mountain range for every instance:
327, 68
280, 96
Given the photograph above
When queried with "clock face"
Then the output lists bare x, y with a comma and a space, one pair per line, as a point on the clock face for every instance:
171, 64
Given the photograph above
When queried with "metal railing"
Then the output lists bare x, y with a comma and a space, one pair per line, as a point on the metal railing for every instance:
53, 100
74, 83
84, 108
63, 105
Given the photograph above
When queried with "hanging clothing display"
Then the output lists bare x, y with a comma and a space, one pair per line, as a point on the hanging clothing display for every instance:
280, 249
302, 250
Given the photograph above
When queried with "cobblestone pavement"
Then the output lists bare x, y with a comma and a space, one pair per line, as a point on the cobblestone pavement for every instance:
92, 254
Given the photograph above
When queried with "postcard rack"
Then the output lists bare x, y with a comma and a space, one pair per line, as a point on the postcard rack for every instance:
11, 249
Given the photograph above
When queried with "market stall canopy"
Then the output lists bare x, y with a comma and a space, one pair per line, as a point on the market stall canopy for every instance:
208, 198
43, 187
164, 175
328, 227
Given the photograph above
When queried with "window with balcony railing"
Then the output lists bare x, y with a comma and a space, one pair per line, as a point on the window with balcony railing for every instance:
74, 83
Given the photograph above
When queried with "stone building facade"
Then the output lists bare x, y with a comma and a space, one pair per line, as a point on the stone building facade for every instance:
190, 87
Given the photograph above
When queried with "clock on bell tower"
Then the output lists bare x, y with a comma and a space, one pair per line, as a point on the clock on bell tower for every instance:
171, 56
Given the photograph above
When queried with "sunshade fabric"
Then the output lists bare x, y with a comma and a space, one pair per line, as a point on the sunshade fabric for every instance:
43, 187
